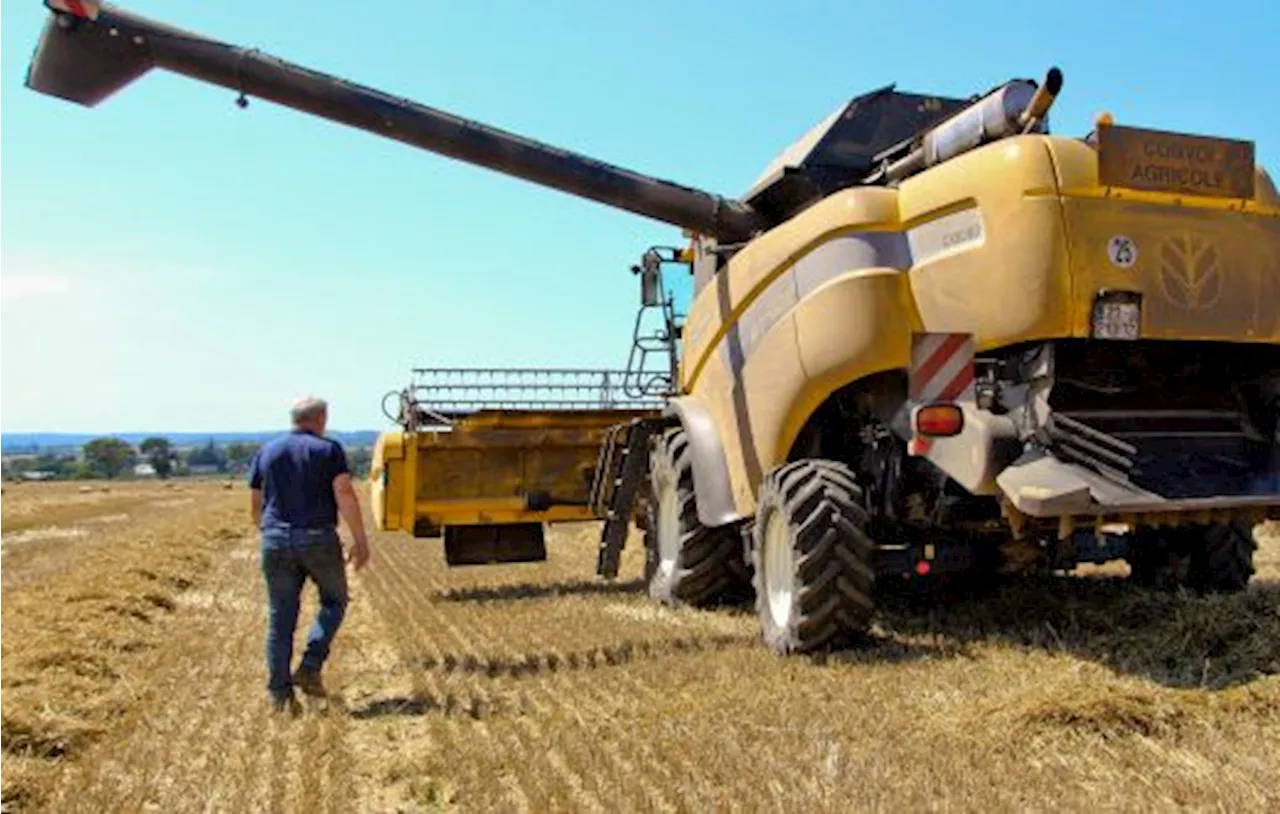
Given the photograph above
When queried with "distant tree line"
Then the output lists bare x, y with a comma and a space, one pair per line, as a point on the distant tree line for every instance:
111, 458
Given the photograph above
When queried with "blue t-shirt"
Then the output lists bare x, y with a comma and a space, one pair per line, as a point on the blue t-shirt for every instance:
295, 473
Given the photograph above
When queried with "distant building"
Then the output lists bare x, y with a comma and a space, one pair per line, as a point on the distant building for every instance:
144, 470
202, 469
38, 474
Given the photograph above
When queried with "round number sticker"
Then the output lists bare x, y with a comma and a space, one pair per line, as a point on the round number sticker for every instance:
1122, 251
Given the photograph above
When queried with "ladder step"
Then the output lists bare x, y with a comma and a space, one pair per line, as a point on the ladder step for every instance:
628, 468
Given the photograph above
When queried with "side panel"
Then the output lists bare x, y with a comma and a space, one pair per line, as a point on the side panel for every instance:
716, 392
386, 481
755, 268
855, 325
988, 260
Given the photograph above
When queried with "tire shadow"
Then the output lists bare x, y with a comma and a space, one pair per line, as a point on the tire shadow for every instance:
1175, 639
532, 664
540, 590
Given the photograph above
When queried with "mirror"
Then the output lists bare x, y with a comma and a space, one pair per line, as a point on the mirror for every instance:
651, 279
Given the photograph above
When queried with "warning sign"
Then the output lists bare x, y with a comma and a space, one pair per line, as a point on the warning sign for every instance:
1175, 162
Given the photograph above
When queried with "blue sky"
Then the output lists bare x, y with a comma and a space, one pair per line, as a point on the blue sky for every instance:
170, 262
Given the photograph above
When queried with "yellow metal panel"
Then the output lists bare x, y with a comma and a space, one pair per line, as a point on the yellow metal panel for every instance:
385, 479
715, 391
757, 265
771, 379
480, 469
855, 326
1203, 275
1208, 269
484, 511
408, 485
1010, 284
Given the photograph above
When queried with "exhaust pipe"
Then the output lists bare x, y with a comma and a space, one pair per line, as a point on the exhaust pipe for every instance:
1016, 107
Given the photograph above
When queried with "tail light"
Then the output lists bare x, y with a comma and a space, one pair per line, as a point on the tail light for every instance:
938, 420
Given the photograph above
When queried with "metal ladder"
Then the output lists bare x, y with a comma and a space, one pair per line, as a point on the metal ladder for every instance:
620, 470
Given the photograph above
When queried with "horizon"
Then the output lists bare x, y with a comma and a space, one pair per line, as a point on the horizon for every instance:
221, 261
13, 436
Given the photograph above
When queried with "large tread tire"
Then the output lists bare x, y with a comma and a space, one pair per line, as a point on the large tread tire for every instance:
1158, 559
1212, 559
826, 600
1224, 561
699, 566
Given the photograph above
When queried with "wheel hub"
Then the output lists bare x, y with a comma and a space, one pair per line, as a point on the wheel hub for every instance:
668, 522
779, 568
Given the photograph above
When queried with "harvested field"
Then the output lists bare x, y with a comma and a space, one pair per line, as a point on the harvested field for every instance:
132, 681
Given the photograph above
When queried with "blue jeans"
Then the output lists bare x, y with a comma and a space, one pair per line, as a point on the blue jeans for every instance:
289, 557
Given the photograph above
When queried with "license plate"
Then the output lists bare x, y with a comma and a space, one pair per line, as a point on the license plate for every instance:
1116, 320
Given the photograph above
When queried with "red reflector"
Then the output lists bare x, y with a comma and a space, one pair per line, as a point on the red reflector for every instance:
85, 9
923, 568
939, 420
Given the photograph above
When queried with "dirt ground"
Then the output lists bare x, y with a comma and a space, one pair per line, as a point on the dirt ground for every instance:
133, 681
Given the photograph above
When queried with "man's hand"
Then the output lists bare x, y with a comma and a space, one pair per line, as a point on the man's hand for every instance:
358, 553
349, 507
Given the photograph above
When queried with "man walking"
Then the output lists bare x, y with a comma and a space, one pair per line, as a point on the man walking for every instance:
300, 484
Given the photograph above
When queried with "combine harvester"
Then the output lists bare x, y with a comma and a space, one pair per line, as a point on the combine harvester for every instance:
932, 339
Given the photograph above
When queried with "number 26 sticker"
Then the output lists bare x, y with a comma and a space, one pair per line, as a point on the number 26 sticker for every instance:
1122, 251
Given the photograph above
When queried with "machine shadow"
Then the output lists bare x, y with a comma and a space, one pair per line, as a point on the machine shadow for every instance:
452, 705
543, 663
540, 590
1175, 639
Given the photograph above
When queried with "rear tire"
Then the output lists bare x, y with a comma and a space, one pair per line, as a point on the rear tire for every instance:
813, 558
1213, 559
1224, 561
686, 562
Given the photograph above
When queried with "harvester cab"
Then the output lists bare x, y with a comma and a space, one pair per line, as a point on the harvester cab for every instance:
933, 338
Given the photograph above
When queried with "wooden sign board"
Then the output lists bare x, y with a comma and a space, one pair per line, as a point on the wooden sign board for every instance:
1160, 161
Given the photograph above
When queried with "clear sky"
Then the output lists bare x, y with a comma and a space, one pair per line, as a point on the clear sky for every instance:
172, 263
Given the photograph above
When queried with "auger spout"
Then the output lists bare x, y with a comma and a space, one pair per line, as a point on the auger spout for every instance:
88, 52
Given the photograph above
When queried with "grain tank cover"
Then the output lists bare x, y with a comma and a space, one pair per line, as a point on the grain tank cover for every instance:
841, 150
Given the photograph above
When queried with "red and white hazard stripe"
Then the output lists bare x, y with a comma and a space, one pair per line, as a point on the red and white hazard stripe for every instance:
87, 9
941, 367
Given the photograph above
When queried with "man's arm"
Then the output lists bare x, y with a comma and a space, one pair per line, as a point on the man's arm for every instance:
255, 490
344, 494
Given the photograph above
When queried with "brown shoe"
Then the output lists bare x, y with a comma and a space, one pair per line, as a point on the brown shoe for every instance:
309, 682
285, 704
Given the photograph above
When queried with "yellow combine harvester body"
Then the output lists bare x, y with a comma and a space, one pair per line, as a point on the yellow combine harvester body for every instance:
1007, 243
